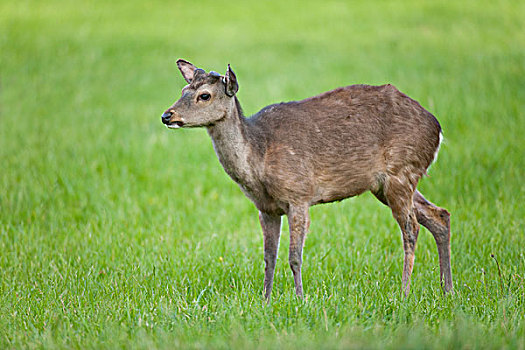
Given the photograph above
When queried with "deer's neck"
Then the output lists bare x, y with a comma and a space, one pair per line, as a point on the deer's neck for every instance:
234, 148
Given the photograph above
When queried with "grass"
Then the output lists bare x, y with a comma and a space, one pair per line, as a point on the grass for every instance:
116, 233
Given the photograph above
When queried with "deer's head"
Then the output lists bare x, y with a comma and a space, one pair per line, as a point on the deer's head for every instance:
207, 99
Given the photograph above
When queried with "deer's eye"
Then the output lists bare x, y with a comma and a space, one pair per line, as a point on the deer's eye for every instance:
204, 97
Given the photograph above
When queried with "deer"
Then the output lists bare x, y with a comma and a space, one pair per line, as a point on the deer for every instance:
290, 156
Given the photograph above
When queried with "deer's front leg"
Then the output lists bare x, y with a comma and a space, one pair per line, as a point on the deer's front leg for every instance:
298, 221
271, 227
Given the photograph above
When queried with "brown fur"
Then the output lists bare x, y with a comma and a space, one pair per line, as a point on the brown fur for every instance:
339, 144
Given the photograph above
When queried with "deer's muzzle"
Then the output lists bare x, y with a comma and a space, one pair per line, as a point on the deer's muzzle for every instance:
172, 119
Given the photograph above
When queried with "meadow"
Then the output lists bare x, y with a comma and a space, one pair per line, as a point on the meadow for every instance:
118, 233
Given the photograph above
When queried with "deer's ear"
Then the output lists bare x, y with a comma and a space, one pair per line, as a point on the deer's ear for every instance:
187, 69
231, 82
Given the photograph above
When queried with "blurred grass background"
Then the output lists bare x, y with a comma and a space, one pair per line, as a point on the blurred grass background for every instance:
115, 232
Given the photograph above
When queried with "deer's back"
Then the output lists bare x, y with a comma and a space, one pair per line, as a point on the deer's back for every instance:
338, 144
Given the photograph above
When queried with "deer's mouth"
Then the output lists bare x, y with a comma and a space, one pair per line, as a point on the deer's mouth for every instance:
175, 125
172, 119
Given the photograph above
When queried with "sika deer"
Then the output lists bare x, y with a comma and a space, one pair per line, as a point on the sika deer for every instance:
290, 156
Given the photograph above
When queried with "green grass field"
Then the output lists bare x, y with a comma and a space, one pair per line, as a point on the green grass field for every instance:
118, 233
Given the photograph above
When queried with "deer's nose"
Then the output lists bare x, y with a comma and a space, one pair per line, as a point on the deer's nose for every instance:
166, 117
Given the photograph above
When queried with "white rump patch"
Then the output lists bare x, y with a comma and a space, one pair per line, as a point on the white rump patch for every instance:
437, 150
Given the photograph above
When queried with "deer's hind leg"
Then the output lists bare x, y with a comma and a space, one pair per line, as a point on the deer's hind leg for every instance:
437, 221
397, 192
